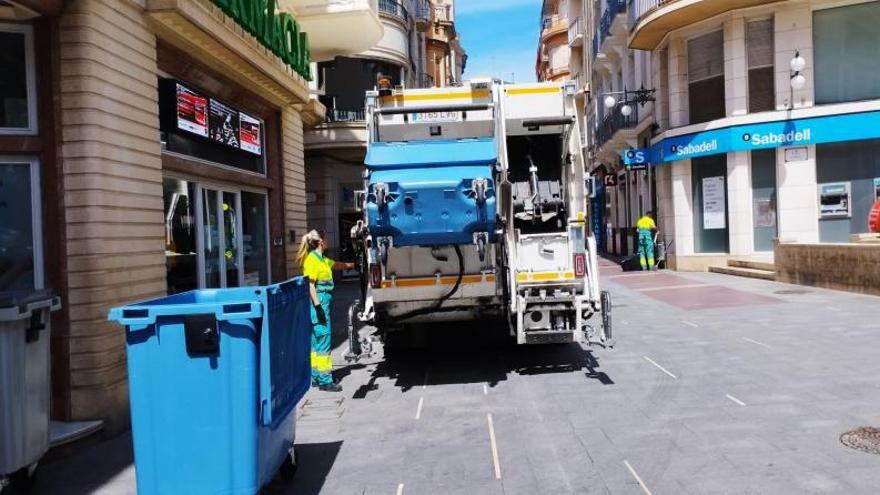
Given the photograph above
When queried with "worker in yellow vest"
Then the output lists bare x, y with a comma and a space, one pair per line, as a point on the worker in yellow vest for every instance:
318, 268
646, 228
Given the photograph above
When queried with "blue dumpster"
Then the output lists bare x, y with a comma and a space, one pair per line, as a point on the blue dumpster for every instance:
214, 378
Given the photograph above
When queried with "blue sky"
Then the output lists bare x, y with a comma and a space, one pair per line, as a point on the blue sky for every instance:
499, 36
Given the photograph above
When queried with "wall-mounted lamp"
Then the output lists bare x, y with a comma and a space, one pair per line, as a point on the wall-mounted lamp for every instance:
640, 97
797, 65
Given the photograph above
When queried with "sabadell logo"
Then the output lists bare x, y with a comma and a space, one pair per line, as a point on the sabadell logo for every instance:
694, 148
775, 139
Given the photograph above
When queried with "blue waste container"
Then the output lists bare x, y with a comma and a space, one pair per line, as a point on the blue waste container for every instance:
214, 378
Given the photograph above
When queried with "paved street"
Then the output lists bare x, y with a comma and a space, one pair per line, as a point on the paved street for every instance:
717, 385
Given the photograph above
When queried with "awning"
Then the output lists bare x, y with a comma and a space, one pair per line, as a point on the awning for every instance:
432, 153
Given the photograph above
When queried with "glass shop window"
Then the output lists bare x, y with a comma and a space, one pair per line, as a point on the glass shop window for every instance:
18, 106
706, 97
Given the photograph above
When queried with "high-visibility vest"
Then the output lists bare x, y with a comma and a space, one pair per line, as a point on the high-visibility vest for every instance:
646, 223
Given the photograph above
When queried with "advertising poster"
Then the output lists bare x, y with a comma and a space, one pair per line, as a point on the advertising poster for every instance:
713, 203
192, 111
251, 134
765, 213
877, 189
223, 124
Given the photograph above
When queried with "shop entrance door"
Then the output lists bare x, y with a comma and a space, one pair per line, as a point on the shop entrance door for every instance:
709, 174
216, 236
220, 246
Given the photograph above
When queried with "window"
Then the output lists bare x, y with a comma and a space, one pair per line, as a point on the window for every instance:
759, 41
180, 235
21, 261
214, 237
764, 198
856, 163
845, 43
706, 77
18, 107
255, 238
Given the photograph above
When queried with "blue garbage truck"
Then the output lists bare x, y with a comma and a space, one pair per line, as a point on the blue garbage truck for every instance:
475, 206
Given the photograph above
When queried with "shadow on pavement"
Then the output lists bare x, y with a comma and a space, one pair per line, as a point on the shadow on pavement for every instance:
463, 353
315, 461
106, 467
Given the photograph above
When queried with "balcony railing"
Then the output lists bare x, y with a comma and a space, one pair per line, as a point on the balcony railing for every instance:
343, 115
551, 73
613, 8
553, 24
442, 13
422, 12
426, 80
576, 32
579, 83
638, 8
393, 7
614, 122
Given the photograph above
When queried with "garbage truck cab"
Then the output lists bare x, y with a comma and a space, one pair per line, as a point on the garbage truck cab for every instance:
475, 207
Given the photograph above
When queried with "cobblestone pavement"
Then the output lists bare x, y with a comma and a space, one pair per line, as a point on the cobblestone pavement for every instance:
717, 385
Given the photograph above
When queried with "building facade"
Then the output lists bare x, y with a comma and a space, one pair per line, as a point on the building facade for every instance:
554, 51
420, 48
762, 123
148, 148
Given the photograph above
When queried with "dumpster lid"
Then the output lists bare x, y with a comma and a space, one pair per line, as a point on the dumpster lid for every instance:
22, 298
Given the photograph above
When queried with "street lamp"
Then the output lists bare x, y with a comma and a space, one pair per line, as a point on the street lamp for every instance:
640, 96
797, 64
610, 102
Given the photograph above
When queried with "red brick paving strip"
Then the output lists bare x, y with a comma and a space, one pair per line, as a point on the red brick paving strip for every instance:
708, 297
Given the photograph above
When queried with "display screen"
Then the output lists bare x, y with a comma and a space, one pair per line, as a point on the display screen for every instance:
192, 111
223, 123
251, 134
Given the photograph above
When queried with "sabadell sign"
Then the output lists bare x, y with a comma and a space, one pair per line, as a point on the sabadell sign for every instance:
778, 134
277, 31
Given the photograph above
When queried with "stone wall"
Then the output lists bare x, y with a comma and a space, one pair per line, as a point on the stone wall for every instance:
293, 169
849, 267
112, 191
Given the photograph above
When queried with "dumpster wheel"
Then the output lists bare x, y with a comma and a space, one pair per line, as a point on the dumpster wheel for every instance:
20, 481
289, 467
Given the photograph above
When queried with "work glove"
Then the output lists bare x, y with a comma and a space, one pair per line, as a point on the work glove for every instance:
322, 316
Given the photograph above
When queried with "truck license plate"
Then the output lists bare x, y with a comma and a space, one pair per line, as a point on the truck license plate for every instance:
435, 117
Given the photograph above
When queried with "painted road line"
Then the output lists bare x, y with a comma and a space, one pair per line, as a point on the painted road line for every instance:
756, 342
671, 287
734, 399
419, 410
690, 324
637, 477
494, 447
485, 389
640, 274
400, 489
661, 368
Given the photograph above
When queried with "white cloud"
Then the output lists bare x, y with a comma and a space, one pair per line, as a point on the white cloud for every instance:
473, 6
